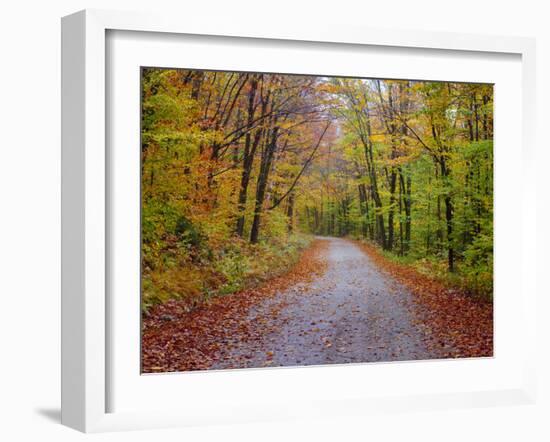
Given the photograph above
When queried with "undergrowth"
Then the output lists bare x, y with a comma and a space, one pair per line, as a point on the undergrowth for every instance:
470, 275
196, 274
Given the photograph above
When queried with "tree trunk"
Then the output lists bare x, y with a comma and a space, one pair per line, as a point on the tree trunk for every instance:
248, 158
290, 212
449, 219
405, 185
393, 177
363, 209
261, 186
445, 173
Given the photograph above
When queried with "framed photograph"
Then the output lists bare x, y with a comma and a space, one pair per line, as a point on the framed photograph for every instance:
262, 223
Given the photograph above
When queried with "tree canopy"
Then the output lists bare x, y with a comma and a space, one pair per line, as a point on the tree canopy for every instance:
235, 161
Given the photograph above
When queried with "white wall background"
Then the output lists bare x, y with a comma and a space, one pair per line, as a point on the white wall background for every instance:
30, 215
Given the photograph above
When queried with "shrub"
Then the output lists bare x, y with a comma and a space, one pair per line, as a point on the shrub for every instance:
478, 265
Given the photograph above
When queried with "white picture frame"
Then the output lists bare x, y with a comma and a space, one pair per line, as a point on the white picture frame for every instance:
85, 199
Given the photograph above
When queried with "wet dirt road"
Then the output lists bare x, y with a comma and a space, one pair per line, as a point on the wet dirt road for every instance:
351, 313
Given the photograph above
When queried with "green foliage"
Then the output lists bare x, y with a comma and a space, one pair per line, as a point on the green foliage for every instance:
235, 165
413, 172
188, 233
478, 265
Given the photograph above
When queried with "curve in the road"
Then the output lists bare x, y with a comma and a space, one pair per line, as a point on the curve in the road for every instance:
352, 313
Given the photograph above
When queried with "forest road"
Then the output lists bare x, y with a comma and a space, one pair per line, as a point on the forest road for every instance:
351, 313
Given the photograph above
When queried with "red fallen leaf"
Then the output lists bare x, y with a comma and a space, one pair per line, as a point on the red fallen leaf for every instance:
191, 339
447, 316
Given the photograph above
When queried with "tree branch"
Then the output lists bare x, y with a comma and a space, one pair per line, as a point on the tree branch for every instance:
291, 188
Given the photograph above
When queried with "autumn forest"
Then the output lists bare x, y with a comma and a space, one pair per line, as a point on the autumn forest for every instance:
257, 185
